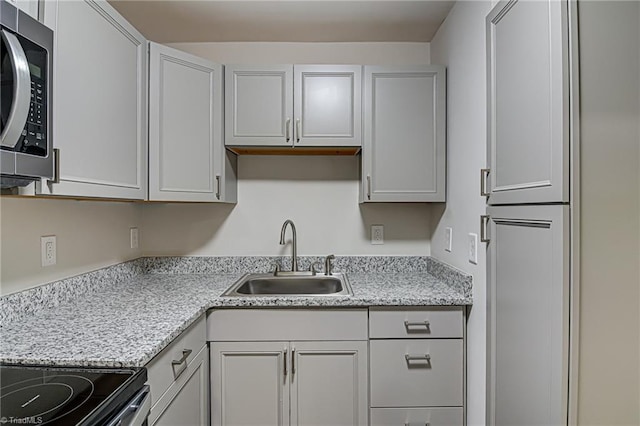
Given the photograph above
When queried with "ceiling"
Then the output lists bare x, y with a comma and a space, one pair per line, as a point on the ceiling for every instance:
169, 21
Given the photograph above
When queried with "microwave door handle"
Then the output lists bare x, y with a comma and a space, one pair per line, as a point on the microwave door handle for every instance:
21, 91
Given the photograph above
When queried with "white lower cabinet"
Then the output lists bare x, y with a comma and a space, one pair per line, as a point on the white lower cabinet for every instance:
289, 382
179, 380
417, 366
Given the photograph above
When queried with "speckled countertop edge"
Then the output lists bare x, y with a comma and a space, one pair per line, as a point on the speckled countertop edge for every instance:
127, 323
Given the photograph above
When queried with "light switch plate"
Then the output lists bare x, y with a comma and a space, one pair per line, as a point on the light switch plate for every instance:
473, 248
133, 235
448, 238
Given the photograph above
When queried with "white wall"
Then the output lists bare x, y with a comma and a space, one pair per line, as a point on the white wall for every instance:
310, 53
320, 194
90, 235
460, 45
609, 369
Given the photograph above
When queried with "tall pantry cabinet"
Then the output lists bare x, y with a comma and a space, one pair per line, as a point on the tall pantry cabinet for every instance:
527, 226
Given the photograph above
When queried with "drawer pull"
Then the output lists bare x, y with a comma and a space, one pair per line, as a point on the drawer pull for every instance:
408, 325
416, 424
182, 361
426, 358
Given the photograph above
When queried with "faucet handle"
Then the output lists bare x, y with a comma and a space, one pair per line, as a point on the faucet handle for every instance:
327, 264
313, 266
276, 267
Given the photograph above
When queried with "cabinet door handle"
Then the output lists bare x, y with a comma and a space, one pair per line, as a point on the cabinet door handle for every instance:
182, 361
286, 354
368, 187
56, 166
426, 358
288, 129
218, 186
484, 175
408, 324
297, 130
484, 222
293, 362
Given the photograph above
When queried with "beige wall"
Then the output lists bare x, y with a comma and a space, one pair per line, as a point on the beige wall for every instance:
320, 194
460, 45
90, 235
609, 377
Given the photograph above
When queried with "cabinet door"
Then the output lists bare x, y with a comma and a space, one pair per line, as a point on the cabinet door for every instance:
28, 6
259, 105
528, 315
99, 101
249, 383
329, 383
328, 105
403, 153
528, 102
186, 152
186, 402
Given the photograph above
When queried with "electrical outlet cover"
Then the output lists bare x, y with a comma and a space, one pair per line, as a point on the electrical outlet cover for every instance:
448, 237
48, 250
377, 234
134, 235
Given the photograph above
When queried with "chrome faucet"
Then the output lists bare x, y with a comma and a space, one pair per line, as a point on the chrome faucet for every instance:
294, 259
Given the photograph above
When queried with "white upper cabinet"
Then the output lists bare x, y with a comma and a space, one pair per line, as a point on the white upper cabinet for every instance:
99, 101
403, 153
528, 102
258, 105
328, 105
187, 159
289, 106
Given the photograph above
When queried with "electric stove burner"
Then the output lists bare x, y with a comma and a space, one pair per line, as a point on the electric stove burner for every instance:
43, 398
64, 396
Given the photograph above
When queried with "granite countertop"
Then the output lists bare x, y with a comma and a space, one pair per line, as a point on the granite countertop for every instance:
127, 323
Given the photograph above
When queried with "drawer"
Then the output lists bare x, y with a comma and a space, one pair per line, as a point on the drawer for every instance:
416, 323
442, 416
433, 375
233, 325
161, 372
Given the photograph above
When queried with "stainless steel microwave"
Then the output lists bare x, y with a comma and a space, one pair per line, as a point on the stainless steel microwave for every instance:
26, 65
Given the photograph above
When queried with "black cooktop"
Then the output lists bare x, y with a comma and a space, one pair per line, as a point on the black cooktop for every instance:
65, 396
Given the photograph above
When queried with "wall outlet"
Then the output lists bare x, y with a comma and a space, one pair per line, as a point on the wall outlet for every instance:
133, 236
377, 234
473, 248
48, 250
448, 238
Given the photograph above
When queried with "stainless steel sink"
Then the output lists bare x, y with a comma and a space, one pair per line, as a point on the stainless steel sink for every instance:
290, 284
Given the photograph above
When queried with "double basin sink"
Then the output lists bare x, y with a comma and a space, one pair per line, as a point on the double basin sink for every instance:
290, 284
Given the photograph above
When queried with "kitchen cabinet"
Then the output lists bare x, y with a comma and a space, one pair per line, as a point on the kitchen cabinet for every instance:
187, 158
528, 315
281, 367
528, 103
293, 105
417, 366
99, 102
403, 151
179, 380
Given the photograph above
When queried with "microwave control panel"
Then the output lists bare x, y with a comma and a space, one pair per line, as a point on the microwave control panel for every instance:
34, 134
